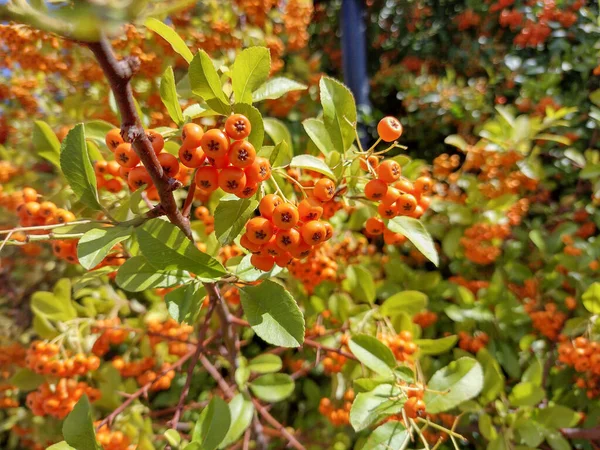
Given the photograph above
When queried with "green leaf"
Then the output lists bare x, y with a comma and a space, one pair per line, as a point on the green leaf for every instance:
591, 298
96, 131
273, 387
78, 428
173, 437
558, 416
212, 425
166, 248
245, 271
416, 233
97, 243
257, 133
231, 216
250, 69
312, 163
45, 142
557, 441
168, 95
493, 379
185, 302
459, 381
137, 275
486, 427
531, 432
265, 363
171, 36
390, 435
273, 314
56, 305
408, 302
374, 354
278, 132
456, 141
62, 445
26, 380
339, 113
436, 346
359, 282
279, 156
317, 132
276, 88
526, 394
205, 83
241, 411
369, 407
77, 167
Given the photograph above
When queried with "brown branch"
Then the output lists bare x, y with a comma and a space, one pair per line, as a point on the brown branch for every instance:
315, 344
277, 425
212, 370
590, 434
188, 379
189, 200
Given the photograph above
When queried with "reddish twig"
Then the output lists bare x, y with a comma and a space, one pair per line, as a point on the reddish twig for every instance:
277, 425
189, 200
315, 344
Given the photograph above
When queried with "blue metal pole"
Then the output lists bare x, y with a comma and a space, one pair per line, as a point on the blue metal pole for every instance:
354, 50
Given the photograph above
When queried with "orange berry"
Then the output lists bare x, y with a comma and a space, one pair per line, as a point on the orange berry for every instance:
232, 179
324, 189
372, 160
258, 171
191, 156
29, 195
375, 189
313, 232
389, 171
288, 239
423, 185
114, 186
406, 204
126, 156
47, 209
237, 126
404, 185
242, 154
191, 135
268, 204
285, 216
113, 168
64, 216
387, 211
389, 129
169, 164
249, 245
113, 139
264, 263
374, 226
215, 143
157, 141
259, 230
207, 178
248, 191
284, 259
138, 177
310, 209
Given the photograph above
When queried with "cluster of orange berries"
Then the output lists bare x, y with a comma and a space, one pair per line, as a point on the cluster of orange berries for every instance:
132, 369
548, 321
319, 266
510, 19
11, 354
142, 371
296, 19
203, 214
401, 345
178, 334
414, 406
157, 381
7, 171
43, 358
6, 396
479, 242
334, 362
110, 334
58, 400
473, 343
467, 19
584, 356
284, 231
339, 416
425, 318
112, 440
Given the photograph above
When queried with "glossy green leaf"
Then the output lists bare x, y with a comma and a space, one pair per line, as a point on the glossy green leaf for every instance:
171, 36
312, 163
45, 142
185, 302
205, 82
168, 95
77, 167
265, 363
459, 381
407, 302
278, 132
436, 346
56, 305
591, 298
257, 133
231, 216
339, 113
272, 387
250, 70
416, 233
97, 243
273, 314
390, 435
26, 380
166, 248
275, 88
526, 394
241, 411
78, 428
359, 282
212, 425
317, 132
137, 275
369, 407
374, 354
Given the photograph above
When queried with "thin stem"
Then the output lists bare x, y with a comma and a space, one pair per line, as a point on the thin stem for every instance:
54, 226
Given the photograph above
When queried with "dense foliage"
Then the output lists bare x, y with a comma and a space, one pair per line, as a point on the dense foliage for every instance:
197, 252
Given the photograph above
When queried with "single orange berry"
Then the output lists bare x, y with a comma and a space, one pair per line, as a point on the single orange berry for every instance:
310, 209
285, 216
373, 162
288, 239
264, 263
324, 189
249, 245
313, 232
258, 171
423, 185
169, 164
242, 154
375, 189
248, 191
138, 177
232, 179
284, 259
126, 156
237, 126
406, 204
191, 135
268, 204
191, 156
47, 209
113, 139
215, 143
387, 211
157, 141
389, 129
374, 226
389, 171
207, 178
259, 230
64, 216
